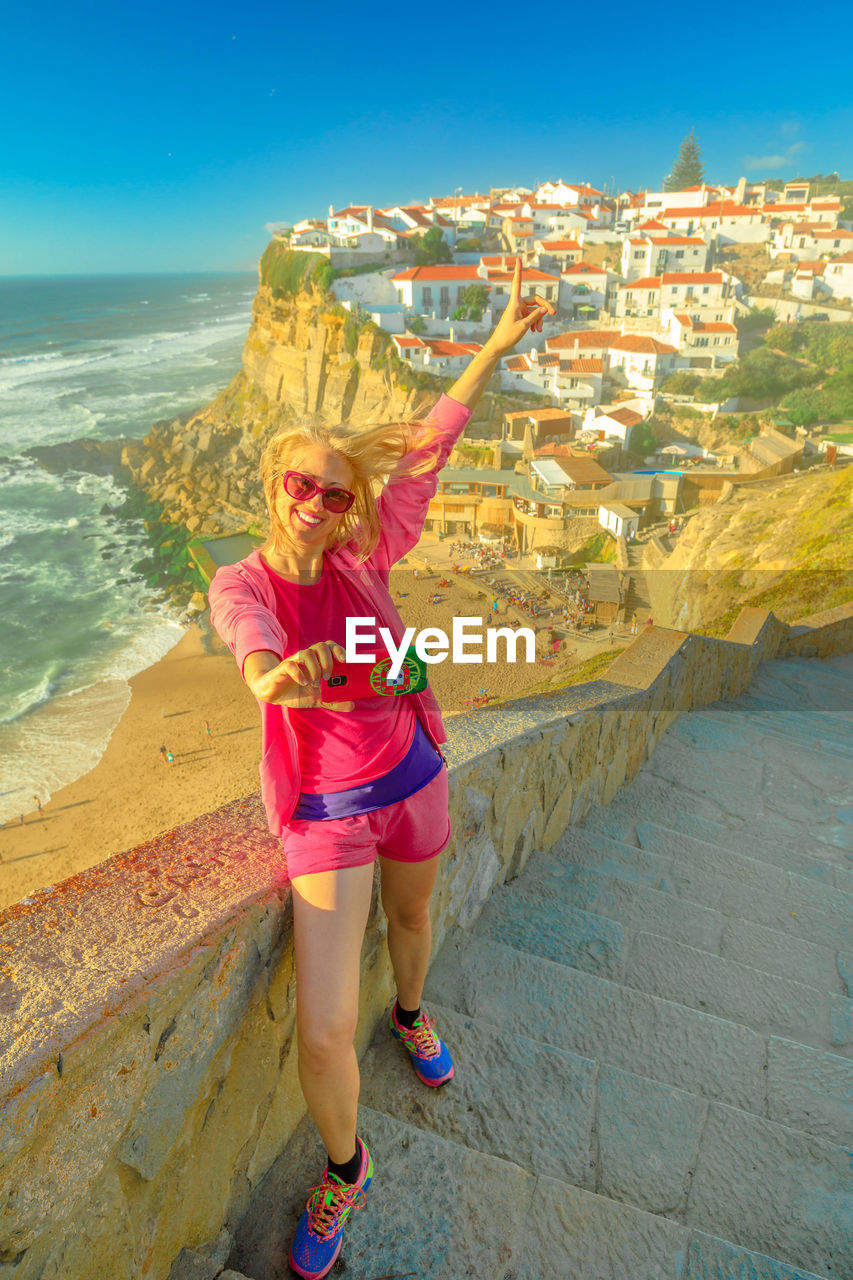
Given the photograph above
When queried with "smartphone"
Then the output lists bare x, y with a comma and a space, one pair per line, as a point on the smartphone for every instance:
363, 680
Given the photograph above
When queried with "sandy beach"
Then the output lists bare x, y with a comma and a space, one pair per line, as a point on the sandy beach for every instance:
133, 794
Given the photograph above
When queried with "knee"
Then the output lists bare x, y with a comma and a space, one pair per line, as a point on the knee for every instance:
325, 1035
413, 917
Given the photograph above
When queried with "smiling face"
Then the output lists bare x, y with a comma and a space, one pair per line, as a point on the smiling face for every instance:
307, 525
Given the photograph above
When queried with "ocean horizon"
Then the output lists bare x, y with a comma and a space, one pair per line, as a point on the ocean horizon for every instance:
98, 357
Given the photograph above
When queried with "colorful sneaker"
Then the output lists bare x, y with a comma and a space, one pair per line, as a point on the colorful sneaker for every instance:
429, 1056
320, 1232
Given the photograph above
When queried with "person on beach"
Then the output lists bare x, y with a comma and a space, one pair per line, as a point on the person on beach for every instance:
345, 783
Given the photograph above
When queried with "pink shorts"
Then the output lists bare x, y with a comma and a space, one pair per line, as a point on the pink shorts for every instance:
412, 830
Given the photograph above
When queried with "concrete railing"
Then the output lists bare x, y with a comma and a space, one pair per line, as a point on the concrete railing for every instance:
147, 1004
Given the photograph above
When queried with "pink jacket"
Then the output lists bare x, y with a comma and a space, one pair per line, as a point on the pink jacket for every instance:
242, 609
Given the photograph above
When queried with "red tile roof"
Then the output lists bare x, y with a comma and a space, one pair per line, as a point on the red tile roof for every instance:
585, 364
439, 347
530, 274
444, 271
584, 268
693, 277
581, 338
652, 225
405, 341
625, 417
568, 245
677, 240
644, 345
646, 282
725, 208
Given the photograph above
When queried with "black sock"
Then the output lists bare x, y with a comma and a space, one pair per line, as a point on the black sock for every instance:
406, 1017
347, 1172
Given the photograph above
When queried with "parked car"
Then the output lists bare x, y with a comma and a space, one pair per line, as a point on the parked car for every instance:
819, 315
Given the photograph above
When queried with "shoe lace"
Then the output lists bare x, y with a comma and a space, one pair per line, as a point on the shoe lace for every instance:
421, 1038
330, 1203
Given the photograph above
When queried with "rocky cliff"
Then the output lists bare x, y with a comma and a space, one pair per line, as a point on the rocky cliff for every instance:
304, 357
784, 544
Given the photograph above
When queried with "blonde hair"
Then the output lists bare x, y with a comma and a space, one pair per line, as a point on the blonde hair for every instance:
372, 454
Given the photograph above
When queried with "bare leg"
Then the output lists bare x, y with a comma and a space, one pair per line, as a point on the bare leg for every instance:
330, 911
406, 891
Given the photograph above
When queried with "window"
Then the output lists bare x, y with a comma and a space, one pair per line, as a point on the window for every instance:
426, 296
701, 342
679, 253
629, 297
639, 253
706, 288
674, 288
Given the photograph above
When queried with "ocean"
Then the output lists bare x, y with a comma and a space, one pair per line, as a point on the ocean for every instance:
100, 357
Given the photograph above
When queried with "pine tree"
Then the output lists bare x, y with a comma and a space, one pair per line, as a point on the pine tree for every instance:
688, 170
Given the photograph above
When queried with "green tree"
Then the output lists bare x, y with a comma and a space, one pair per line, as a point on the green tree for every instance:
688, 169
417, 325
473, 301
431, 248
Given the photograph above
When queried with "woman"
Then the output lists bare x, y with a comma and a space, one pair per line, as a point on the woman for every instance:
345, 783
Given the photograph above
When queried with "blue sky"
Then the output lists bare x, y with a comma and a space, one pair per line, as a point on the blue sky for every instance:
163, 138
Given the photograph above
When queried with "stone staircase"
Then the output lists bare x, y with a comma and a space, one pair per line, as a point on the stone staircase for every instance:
652, 1034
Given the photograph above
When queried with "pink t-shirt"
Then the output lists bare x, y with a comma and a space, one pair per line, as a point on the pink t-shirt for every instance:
338, 749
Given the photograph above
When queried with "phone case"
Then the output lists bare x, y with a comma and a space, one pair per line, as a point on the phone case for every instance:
361, 680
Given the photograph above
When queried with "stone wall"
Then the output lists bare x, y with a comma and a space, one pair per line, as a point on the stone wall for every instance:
147, 1058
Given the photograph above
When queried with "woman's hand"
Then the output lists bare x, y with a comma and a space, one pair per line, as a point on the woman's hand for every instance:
520, 316
295, 681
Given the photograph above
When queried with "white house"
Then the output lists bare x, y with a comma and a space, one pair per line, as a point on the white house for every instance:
723, 221
568, 193
436, 289
579, 381
497, 271
807, 283
615, 422
651, 202
808, 240
647, 255
583, 290
838, 276
621, 521
642, 360
578, 344
434, 355
826, 210
558, 254
694, 290
703, 344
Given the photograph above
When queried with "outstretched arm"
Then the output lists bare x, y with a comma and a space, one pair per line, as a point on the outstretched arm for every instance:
520, 316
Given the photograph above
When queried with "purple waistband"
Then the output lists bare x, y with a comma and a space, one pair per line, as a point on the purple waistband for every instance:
419, 765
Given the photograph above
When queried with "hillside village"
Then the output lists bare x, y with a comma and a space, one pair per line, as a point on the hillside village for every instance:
647, 292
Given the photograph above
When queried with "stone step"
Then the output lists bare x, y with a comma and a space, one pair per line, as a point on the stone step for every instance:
810, 1089
761, 1001
596, 1126
448, 1211
596, 1018
792, 914
649, 798
776, 877
715, 728
637, 906
813, 864
660, 966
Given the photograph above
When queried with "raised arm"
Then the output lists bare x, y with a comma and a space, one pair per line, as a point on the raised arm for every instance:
404, 501
519, 316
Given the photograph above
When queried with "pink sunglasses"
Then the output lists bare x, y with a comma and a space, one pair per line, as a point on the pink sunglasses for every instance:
303, 488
